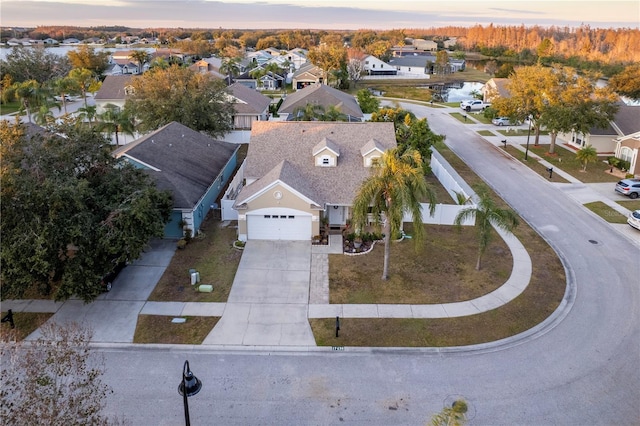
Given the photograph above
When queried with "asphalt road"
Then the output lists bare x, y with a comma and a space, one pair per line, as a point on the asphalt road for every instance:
582, 367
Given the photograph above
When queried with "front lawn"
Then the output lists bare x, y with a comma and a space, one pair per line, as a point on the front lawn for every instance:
442, 271
212, 255
566, 160
534, 164
539, 300
25, 324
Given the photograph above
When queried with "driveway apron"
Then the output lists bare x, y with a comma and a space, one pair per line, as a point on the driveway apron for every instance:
269, 299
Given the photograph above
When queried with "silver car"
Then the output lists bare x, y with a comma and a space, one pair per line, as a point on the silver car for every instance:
629, 187
634, 219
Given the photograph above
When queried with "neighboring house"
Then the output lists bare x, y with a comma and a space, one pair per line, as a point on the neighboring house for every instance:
628, 149
208, 66
412, 65
249, 105
451, 42
301, 173
114, 90
626, 122
70, 41
495, 88
297, 57
425, 45
375, 66
194, 167
325, 96
307, 74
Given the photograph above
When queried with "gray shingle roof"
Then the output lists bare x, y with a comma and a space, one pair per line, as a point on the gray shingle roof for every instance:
293, 143
627, 119
188, 161
253, 102
113, 87
321, 94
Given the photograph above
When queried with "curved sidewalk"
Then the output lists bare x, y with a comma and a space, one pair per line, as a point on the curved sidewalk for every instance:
514, 286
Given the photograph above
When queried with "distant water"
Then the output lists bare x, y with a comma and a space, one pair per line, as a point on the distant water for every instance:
63, 50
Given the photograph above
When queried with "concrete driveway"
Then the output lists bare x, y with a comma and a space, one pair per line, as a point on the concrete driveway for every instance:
269, 299
113, 316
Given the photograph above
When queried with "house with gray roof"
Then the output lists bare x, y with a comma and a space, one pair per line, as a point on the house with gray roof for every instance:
626, 122
306, 75
249, 105
194, 167
299, 174
324, 96
114, 90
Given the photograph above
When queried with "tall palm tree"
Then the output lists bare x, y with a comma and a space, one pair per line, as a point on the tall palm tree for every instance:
231, 67
332, 113
141, 57
84, 81
397, 185
487, 214
29, 93
115, 120
63, 86
89, 113
587, 155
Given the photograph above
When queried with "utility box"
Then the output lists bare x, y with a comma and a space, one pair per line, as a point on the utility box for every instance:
195, 278
205, 288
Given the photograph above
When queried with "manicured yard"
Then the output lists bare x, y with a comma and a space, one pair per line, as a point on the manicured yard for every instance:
534, 164
443, 270
486, 133
631, 204
9, 107
462, 117
566, 160
537, 302
160, 329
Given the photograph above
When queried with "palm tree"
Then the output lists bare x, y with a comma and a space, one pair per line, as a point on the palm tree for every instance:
231, 67
84, 81
89, 113
309, 112
333, 114
141, 57
587, 155
62, 86
487, 214
115, 120
29, 93
396, 185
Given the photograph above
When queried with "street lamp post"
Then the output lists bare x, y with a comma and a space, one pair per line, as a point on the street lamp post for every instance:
526, 152
189, 386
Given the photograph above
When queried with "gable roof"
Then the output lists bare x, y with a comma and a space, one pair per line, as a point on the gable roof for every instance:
321, 94
113, 87
308, 68
627, 119
181, 160
250, 101
294, 142
411, 61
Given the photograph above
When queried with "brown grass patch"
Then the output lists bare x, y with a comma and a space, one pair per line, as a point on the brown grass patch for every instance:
25, 322
442, 271
212, 255
160, 329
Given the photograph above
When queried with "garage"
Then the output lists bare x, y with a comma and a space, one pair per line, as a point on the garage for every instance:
279, 224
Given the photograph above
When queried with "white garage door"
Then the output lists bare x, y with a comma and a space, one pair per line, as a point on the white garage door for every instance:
278, 227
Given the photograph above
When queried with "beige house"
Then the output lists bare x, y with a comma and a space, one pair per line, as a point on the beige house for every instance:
299, 174
628, 149
495, 88
114, 90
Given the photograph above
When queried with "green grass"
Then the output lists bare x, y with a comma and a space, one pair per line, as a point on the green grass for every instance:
631, 204
463, 118
486, 133
511, 131
566, 160
606, 212
9, 108
534, 164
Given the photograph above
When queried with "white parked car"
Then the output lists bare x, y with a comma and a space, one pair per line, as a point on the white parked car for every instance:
634, 219
67, 98
474, 105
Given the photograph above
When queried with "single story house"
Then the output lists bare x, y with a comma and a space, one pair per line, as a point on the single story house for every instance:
194, 167
325, 96
249, 105
114, 90
626, 122
299, 174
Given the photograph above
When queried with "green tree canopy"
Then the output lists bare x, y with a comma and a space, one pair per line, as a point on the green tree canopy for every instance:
178, 94
70, 211
33, 64
396, 186
368, 102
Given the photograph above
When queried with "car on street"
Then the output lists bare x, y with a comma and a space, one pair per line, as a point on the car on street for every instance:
503, 121
634, 219
629, 187
473, 105
67, 98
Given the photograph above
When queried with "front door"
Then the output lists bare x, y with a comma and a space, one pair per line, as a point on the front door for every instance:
337, 215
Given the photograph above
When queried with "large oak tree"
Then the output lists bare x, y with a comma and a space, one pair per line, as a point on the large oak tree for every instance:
196, 100
70, 211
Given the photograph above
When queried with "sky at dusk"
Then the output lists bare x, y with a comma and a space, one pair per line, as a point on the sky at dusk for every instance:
311, 14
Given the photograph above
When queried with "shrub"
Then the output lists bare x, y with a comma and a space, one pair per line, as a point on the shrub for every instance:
182, 243
613, 161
